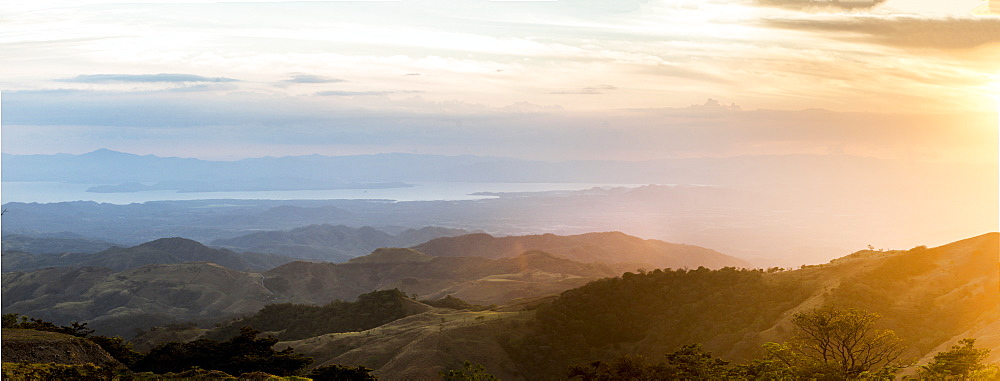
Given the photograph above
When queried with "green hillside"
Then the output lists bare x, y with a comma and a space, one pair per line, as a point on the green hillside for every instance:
930, 297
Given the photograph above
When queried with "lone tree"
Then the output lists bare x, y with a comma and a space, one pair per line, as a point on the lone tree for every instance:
839, 343
962, 362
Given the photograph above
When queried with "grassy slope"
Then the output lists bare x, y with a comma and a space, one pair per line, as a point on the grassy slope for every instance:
418, 346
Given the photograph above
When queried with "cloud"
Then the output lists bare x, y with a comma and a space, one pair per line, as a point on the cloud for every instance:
338, 93
309, 78
592, 90
904, 31
821, 4
144, 78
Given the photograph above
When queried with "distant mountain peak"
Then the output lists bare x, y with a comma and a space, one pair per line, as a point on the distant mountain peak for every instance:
172, 241
104, 152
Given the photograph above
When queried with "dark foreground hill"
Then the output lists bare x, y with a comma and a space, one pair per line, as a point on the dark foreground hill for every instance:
930, 297
161, 251
611, 247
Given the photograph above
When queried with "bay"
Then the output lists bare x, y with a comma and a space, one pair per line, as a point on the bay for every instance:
48, 192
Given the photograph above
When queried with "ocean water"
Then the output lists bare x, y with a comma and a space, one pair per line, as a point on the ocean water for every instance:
47, 192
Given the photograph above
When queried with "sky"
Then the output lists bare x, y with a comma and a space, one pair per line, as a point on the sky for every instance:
552, 80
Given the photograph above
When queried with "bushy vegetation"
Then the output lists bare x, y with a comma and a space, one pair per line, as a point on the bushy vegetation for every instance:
829, 344
690, 362
244, 353
291, 321
18, 321
962, 362
469, 372
454, 303
117, 347
81, 372
341, 373
240, 354
654, 312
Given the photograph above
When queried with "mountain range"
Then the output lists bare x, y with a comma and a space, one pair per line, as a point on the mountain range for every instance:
610, 247
161, 251
173, 279
124, 172
331, 243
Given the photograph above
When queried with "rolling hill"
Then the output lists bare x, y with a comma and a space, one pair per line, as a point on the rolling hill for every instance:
118, 302
161, 251
611, 247
331, 243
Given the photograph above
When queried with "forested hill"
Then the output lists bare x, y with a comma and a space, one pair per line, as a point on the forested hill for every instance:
161, 251
332, 243
929, 297
117, 302
610, 247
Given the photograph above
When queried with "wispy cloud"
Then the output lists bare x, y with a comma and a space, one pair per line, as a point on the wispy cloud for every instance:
591, 90
310, 78
352, 93
814, 5
344, 93
903, 31
144, 78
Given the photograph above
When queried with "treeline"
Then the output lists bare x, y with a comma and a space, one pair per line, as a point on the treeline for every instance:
655, 312
288, 321
962, 362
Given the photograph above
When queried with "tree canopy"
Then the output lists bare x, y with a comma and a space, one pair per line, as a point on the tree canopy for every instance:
839, 343
240, 354
962, 362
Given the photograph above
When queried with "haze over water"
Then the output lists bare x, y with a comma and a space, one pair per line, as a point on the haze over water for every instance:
44, 192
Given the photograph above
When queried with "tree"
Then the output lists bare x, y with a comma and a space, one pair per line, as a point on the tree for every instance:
834, 343
469, 372
962, 362
692, 363
689, 362
341, 373
240, 354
